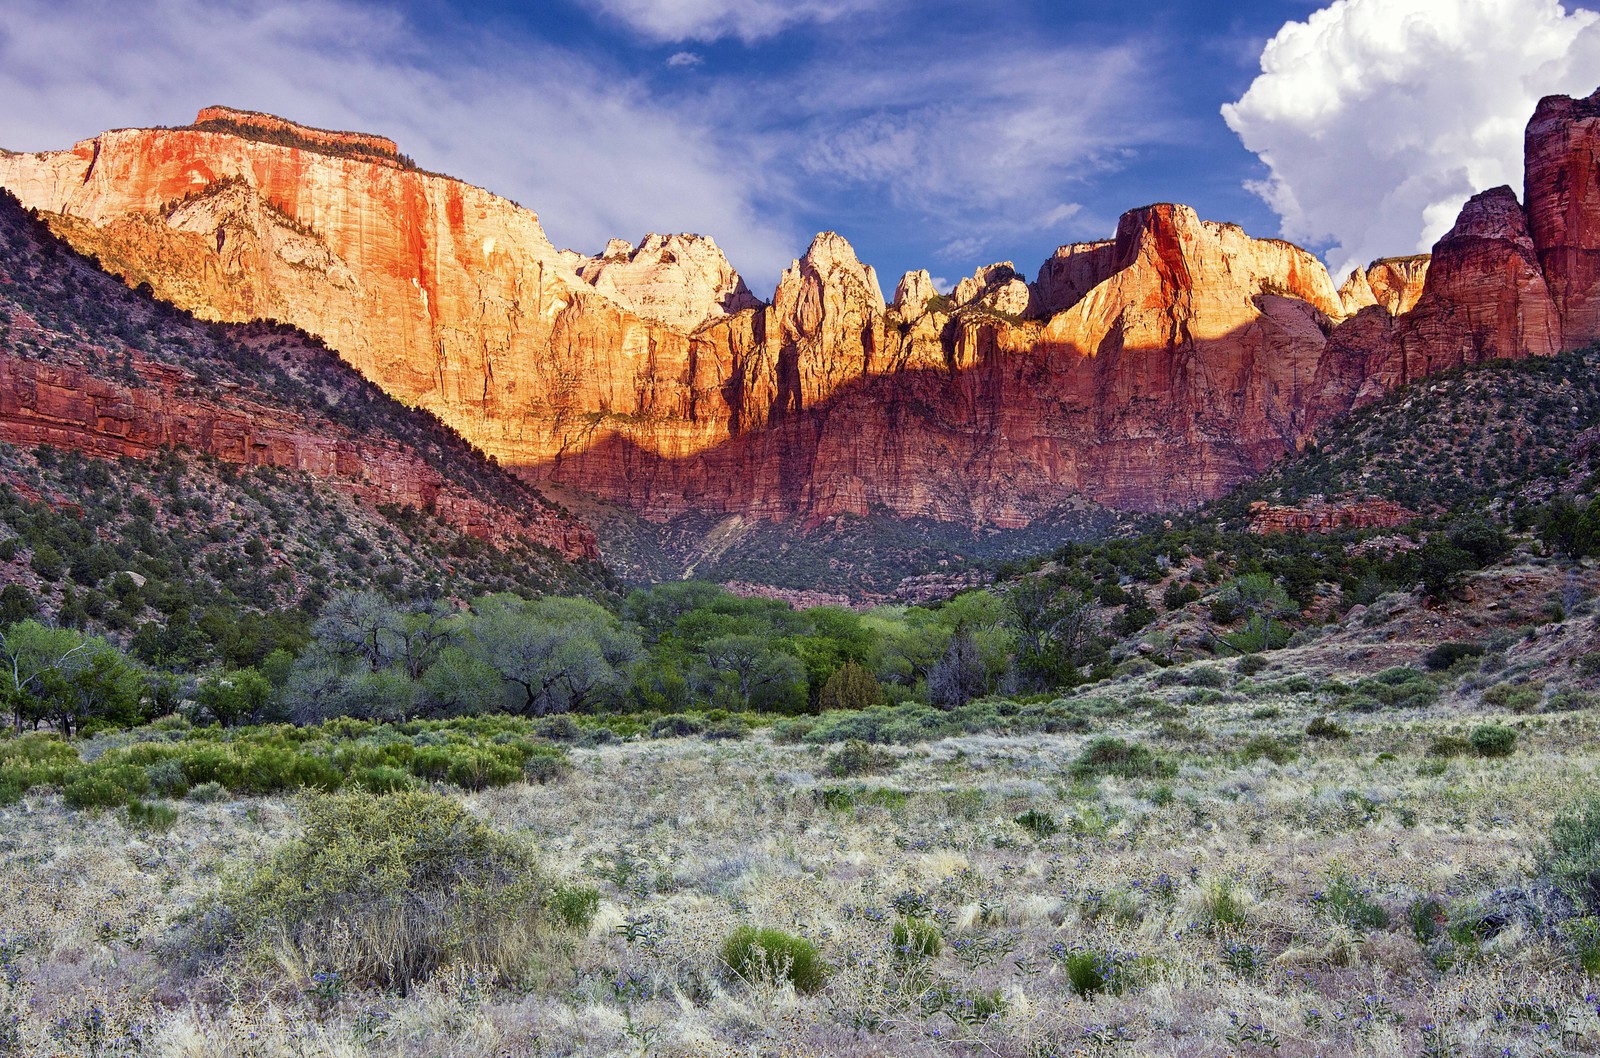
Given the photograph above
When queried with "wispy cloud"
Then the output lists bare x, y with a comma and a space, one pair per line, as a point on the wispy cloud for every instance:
586, 144
990, 143
1377, 119
708, 20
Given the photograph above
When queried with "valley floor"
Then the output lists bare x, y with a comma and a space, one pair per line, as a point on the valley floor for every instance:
1363, 897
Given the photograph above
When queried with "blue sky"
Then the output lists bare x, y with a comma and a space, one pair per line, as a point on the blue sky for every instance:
932, 133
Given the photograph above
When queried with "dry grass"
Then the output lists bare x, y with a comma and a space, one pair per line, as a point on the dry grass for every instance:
1200, 890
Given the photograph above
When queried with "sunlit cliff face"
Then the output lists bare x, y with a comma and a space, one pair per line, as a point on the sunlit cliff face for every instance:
1154, 370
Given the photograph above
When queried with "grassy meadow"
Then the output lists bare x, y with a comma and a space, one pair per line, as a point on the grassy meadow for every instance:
1261, 856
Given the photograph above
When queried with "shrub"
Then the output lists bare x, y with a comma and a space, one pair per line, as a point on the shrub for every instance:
546, 764
915, 939
1570, 700
1513, 698
1344, 902
1445, 655
1091, 971
147, 816
167, 777
381, 778
1449, 746
208, 792
856, 757
385, 888
676, 725
1039, 824
1322, 727
1583, 935
1251, 664
1400, 687
1109, 755
1179, 594
1572, 859
106, 786
1273, 749
1493, 740
772, 955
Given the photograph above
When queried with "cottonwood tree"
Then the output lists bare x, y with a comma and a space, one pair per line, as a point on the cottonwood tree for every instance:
554, 655
1055, 630
67, 678
755, 672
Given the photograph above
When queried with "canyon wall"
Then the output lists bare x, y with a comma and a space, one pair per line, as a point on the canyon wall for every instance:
1152, 370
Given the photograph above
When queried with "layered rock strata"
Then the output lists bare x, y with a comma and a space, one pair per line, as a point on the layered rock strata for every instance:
1316, 516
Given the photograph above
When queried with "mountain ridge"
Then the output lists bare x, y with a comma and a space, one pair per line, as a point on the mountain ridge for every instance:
1151, 371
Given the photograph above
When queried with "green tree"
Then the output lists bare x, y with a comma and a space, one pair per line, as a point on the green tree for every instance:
553, 655
67, 678
1055, 630
850, 687
756, 673
233, 697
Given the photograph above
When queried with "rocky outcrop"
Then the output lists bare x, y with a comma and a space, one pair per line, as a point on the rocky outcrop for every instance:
1392, 283
995, 287
1561, 158
681, 280
1485, 299
1319, 516
1070, 273
271, 129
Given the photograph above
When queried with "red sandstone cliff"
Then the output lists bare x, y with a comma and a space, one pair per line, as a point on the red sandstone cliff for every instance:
1155, 369
69, 379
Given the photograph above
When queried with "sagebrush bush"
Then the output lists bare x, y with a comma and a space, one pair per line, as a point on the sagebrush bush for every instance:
856, 757
1109, 755
772, 955
1493, 740
546, 764
386, 888
1322, 727
1273, 749
1514, 698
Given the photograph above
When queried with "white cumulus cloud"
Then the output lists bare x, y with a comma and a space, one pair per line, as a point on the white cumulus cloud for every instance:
1377, 119
707, 20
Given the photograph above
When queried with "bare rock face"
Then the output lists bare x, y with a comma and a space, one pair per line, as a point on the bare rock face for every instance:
681, 280
1562, 175
1392, 283
1486, 297
1319, 516
995, 287
913, 292
1070, 273
827, 321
